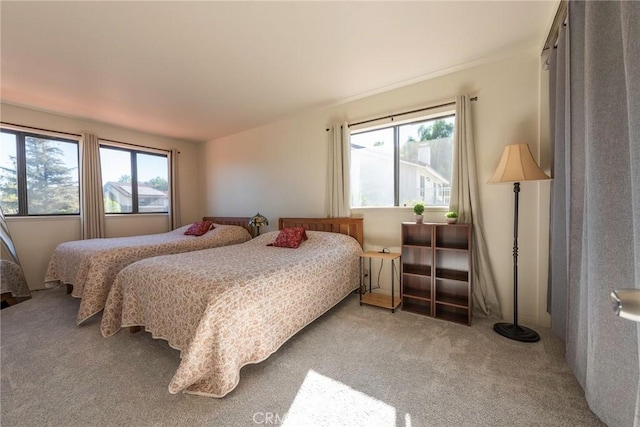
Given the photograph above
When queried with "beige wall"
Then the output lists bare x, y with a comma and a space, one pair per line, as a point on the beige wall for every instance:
36, 237
280, 169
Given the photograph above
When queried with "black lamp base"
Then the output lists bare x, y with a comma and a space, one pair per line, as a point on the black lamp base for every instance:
516, 332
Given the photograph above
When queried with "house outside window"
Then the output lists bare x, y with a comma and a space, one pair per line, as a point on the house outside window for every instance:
400, 165
149, 198
134, 181
39, 174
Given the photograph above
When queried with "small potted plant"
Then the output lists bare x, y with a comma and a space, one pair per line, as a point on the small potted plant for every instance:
451, 217
418, 209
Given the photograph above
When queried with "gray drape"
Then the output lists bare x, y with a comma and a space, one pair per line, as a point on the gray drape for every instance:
338, 194
595, 217
465, 199
175, 191
92, 214
560, 193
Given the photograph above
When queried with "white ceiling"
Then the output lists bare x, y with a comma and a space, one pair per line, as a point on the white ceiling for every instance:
202, 70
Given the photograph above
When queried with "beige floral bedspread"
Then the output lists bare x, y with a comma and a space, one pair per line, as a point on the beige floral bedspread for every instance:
227, 307
91, 265
12, 279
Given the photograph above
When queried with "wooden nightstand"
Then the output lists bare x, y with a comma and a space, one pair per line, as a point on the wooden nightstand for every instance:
390, 302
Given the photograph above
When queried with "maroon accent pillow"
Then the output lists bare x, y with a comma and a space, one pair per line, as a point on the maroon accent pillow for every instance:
199, 228
290, 237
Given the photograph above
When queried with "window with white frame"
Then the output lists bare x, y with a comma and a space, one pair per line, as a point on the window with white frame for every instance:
134, 181
38, 174
403, 164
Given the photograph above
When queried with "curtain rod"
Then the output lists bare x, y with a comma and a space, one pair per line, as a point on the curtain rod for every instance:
134, 145
391, 116
558, 20
40, 129
80, 136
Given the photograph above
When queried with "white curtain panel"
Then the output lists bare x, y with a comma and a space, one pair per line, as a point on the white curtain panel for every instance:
595, 217
92, 215
175, 191
339, 203
465, 199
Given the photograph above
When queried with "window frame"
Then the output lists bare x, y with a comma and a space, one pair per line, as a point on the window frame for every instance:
133, 153
396, 125
21, 167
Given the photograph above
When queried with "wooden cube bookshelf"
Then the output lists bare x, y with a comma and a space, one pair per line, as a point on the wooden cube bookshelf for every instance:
436, 266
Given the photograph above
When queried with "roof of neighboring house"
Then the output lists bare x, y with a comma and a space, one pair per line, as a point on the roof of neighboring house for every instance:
427, 168
125, 189
417, 163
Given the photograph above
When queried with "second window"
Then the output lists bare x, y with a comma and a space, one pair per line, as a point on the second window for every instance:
134, 181
404, 164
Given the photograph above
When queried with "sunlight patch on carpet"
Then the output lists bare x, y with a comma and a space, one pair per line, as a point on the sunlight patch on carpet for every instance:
323, 401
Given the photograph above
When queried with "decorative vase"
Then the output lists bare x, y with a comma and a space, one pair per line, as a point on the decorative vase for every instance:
451, 220
418, 218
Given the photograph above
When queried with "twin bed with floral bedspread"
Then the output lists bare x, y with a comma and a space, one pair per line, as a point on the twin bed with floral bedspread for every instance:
227, 307
91, 266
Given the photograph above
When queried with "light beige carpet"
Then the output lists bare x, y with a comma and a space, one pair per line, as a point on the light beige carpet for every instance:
355, 366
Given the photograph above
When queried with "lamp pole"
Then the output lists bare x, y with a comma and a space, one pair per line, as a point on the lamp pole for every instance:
513, 330
516, 193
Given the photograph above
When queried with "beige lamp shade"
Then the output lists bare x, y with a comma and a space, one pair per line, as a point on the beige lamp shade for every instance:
517, 165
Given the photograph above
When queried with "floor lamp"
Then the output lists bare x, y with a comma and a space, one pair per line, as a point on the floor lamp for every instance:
516, 165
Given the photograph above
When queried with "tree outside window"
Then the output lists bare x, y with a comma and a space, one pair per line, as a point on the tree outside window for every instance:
38, 175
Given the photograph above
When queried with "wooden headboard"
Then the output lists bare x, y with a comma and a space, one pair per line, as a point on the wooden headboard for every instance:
231, 220
350, 226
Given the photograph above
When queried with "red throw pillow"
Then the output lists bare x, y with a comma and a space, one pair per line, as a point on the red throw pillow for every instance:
199, 228
290, 237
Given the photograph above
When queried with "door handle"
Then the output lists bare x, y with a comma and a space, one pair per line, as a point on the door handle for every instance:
626, 303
